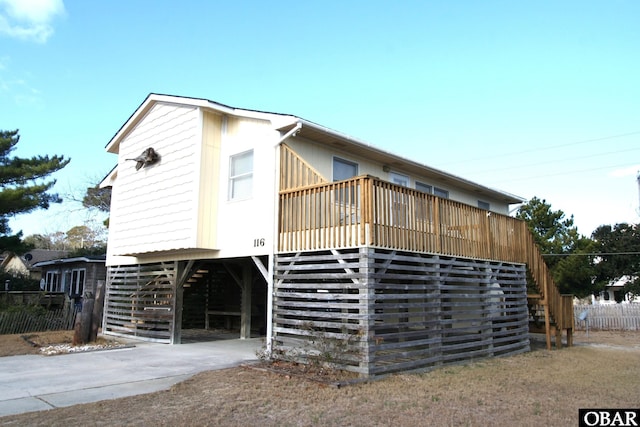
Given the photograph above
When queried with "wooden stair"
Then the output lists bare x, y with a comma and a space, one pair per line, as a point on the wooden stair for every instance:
550, 311
542, 321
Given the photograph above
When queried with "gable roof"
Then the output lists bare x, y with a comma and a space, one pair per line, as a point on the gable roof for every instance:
153, 98
29, 260
85, 259
35, 256
287, 123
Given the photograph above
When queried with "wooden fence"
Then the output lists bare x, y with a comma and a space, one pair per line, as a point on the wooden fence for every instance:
21, 322
625, 317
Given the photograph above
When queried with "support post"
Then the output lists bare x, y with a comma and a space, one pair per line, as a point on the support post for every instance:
547, 324
269, 337
98, 307
245, 305
176, 332
367, 333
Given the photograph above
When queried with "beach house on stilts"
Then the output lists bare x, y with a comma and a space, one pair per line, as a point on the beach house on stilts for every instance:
269, 224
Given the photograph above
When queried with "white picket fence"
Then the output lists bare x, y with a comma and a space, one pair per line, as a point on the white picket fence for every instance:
610, 317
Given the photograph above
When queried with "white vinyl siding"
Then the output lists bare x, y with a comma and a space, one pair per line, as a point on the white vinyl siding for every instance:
153, 209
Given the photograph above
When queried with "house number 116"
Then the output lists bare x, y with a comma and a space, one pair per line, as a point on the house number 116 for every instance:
258, 242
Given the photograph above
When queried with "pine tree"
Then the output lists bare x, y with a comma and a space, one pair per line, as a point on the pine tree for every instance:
23, 186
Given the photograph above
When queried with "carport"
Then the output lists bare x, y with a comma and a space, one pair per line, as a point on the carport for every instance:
157, 301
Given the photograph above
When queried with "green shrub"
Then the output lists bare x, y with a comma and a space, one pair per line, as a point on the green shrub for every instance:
18, 282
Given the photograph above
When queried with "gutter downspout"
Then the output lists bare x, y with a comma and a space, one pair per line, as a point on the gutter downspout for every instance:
274, 236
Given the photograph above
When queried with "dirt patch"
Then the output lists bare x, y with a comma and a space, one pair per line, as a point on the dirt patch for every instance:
614, 338
306, 372
13, 345
537, 388
49, 343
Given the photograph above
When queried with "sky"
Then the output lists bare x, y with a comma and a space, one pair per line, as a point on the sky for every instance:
537, 99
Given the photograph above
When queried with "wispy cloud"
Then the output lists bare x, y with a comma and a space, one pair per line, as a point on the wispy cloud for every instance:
624, 172
16, 88
29, 19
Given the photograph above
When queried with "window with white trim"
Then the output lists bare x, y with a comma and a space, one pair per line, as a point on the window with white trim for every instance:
344, 169
346, 198
424, 208
399, 207
441, 192
53, 281
76, 286
425, 188
66, 280
241, 176
399, 179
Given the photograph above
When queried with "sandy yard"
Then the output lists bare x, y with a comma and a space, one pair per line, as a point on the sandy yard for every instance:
537, 388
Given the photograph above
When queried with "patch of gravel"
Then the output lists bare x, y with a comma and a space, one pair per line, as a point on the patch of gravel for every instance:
52, 350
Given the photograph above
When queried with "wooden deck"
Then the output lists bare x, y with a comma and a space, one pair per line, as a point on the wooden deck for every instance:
366, 211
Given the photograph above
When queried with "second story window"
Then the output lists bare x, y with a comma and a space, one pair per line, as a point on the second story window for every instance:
344, 169
399, 179
424, 187
441, 193
484, 205
241, 176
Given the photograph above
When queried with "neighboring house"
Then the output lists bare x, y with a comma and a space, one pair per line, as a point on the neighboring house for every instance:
25, 265
614, 293
226, 217
76, 277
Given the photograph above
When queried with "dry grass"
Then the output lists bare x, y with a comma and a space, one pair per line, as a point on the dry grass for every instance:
13, 345
31, 343
538, 388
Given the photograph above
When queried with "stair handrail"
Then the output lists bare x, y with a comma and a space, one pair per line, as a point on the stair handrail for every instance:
546, 286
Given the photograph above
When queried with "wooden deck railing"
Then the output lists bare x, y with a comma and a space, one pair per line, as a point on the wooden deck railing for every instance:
368, 211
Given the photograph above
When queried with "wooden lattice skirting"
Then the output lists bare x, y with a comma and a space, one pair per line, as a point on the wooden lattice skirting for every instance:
140, 301
377, 311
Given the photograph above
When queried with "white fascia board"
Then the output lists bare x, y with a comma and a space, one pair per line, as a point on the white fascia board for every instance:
67, 261
153, 98
150, 101
110, 179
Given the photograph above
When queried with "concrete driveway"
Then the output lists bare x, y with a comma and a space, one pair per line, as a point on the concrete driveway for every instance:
36, 383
